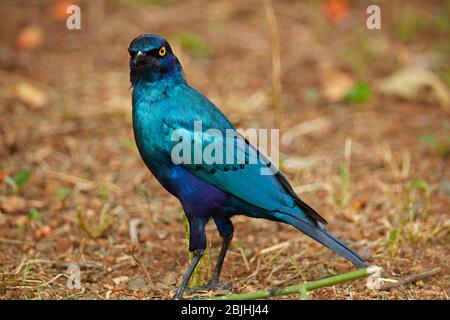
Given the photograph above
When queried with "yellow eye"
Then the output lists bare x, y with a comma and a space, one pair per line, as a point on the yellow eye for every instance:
162, 51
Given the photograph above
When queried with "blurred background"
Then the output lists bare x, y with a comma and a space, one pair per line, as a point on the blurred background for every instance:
364, 119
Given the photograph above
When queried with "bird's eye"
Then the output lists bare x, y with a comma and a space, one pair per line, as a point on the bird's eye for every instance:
162, 51
132, 54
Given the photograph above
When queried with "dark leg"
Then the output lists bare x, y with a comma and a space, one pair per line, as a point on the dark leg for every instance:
223, 252
197, 245
226, 230
198, 254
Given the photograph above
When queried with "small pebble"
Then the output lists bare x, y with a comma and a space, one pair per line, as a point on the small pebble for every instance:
444, 187
137, 284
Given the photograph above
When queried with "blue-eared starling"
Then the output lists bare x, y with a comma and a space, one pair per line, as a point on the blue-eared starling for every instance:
166, 111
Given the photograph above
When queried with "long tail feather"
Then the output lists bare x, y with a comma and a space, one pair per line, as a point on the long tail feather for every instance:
321, 235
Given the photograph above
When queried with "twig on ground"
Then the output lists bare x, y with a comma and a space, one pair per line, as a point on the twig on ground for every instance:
411, 279
141, 265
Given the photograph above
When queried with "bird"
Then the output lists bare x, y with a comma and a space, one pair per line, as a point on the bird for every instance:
164, 105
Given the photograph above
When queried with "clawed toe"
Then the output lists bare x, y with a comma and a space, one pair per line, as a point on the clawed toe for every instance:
226, 286
213, 285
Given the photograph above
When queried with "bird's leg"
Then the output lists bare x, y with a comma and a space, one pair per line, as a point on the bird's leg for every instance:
197, 245
197, 256
226, 232
214, 282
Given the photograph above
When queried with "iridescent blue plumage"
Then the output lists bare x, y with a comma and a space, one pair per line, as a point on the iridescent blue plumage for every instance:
163, 102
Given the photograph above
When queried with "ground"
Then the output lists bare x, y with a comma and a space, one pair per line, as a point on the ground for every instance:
74, 191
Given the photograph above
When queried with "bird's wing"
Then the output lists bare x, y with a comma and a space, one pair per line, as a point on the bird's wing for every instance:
245, 172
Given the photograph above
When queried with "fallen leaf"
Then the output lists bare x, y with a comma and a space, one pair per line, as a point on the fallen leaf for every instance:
336, 10
62, 244
2, 176
31, 96
30, 37
359, 204
59, 10
45, 231
110, 259
13, 204
416, 84
335, 86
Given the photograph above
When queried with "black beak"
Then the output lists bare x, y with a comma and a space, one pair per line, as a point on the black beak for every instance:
137, 57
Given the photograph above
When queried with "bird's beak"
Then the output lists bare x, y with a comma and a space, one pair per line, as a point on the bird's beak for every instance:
136, 58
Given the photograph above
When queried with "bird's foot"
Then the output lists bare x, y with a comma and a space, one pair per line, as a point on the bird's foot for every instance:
177, 297
214, 285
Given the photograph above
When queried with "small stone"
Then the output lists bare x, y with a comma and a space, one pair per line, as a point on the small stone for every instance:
119, 280
397, 271
137, 284
444, 187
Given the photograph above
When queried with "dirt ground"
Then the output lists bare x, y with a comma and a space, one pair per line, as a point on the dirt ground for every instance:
73, 189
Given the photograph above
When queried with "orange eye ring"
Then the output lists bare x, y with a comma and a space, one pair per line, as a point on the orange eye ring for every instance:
162, 51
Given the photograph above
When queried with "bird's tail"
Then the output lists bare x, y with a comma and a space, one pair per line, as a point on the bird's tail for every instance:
318, 233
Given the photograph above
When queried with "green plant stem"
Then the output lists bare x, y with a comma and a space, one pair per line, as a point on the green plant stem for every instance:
301, 289
303, 293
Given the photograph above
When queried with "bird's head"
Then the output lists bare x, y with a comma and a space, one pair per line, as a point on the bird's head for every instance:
152, 59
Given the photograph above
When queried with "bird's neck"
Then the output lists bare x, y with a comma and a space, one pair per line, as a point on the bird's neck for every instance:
153, 91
